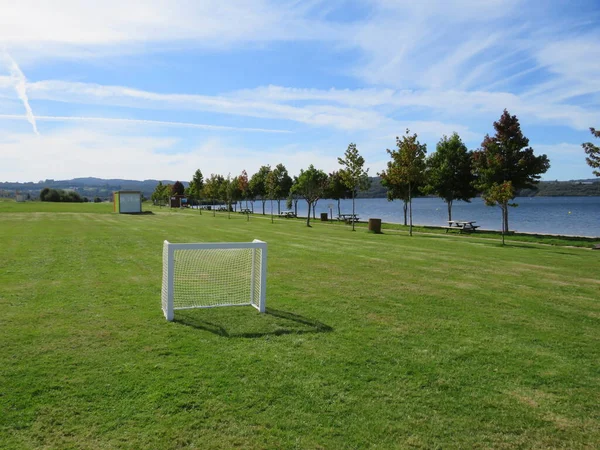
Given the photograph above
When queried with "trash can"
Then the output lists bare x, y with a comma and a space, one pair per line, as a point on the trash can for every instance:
324, 217
375, 226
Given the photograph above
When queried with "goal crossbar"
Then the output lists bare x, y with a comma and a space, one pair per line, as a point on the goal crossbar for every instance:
212, 274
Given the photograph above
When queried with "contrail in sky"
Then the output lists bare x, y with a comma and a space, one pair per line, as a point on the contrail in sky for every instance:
145, 122
20, 83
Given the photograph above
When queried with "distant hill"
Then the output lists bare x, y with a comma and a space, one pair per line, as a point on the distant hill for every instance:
91, 187
584, 188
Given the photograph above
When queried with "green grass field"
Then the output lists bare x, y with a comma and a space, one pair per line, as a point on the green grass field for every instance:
380, 341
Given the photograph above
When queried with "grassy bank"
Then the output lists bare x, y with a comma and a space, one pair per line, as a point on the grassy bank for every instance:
370, 340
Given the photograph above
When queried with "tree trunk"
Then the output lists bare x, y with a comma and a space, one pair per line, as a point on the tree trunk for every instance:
353, 210
503, 222
505, 216
339, 209
278, 206
263, 202
296, 207
252, 205
405, 208
308, 215
271, 210
410, 209
199, 207
449, 210
213, 207
314, 209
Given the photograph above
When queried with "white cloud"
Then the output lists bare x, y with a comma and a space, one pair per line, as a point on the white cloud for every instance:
74, 152
75, 28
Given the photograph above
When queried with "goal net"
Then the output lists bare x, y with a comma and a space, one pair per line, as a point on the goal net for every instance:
213, 274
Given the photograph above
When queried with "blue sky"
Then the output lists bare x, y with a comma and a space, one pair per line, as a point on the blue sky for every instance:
157, 89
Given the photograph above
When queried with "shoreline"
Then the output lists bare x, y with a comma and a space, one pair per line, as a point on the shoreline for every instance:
481, 230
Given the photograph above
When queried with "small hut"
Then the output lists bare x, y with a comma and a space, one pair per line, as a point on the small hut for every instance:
177, 201
127, 202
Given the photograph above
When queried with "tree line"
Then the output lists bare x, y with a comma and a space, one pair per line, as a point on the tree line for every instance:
60, 195
503, 165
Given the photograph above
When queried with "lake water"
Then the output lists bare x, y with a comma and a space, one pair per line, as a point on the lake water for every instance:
553, 215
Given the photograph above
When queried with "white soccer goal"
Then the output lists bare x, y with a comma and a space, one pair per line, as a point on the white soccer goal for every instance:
213, 274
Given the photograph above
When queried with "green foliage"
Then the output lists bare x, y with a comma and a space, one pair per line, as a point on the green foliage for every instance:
59, 195
406, 171
500, 194
336, 188
593, 153
196, 185
258, 181
449, 172
283, 182
160, 194
507, 157
353, 174
272, 188
258, 184
213, 188
310, 185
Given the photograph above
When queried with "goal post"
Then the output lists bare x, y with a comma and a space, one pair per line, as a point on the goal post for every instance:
207, 275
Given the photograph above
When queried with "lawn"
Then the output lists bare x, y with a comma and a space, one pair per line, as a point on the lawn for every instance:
384, 341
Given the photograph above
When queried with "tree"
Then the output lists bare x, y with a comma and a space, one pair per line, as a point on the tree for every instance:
593, 152
500, 194
258, 184
293, 197
227, 193
354, 176
243, 186
449, 172
272, 187
159, 194
506, 156
177, 188
397, 191
310, 185
60, 195
406, 168
212, 189
235, 193
283, 184
336, 189
196, 186
224, 192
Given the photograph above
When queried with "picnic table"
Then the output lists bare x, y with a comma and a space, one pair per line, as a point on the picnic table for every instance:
287, 214
461, 226
245, 211
348, 218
